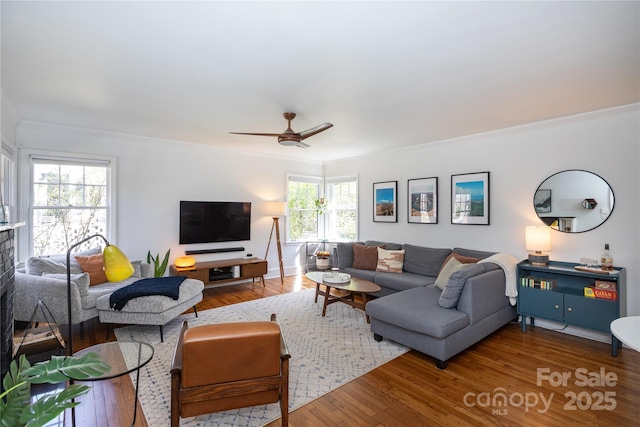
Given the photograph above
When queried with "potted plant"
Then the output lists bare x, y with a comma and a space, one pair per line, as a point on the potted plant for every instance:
159, 267
16, 408
322, 260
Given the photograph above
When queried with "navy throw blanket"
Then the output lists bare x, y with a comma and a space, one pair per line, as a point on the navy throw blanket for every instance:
166, 286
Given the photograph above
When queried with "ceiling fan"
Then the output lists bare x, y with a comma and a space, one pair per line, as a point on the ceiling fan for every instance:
290, 138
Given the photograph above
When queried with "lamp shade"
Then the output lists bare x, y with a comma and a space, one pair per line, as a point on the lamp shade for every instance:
117, 266
276, 209
538, 238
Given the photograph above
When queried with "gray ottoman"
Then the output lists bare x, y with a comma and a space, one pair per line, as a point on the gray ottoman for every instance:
152, 310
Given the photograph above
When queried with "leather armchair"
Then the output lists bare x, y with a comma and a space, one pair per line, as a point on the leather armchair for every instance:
228, 366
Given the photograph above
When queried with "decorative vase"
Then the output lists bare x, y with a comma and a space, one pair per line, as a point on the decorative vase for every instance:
322, 263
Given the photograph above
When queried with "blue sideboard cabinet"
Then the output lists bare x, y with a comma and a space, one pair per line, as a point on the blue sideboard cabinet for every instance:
556, 292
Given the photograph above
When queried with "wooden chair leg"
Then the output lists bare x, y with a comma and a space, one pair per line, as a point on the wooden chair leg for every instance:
195, 310
161, 334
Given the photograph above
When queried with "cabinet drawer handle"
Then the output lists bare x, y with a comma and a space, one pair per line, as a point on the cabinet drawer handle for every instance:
557, 306
569, 309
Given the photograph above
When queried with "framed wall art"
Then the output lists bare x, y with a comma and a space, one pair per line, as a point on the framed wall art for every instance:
542, 201
385, 201
422, 200
470, 198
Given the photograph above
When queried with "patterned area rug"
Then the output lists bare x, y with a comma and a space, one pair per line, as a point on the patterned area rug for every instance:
326, 352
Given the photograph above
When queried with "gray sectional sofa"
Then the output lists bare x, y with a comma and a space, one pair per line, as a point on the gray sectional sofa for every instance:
431, 306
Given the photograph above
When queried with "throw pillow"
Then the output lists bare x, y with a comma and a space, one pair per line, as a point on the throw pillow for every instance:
40, 266
54, 264
137, 272
390, 261
94, 265
450, 267
80, 279
463, 259
365, 257
451, 293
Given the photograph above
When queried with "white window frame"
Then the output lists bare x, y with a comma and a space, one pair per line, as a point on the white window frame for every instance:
324, 189
309, 179
25, 202
331, 206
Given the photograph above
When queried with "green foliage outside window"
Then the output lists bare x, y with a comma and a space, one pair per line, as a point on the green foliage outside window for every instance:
302, 210
69, 204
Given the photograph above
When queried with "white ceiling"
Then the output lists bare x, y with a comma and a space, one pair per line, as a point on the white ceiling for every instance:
386, 74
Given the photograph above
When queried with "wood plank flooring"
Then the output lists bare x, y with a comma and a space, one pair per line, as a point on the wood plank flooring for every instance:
496, 382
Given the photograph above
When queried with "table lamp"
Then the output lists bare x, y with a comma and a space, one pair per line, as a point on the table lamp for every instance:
538, 239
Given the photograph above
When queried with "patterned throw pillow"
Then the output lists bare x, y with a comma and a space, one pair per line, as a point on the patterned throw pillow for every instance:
94, 265
390, 261
365, 257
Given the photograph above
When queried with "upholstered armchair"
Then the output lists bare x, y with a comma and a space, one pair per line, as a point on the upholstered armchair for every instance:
227, 366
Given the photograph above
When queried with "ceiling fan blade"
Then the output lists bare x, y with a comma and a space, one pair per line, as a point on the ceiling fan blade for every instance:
302, 145
314, 130
256, 134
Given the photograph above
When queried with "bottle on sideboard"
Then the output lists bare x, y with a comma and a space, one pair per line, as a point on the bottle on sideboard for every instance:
606, 259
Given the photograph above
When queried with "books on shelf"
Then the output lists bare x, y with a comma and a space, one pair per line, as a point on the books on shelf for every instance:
538, 283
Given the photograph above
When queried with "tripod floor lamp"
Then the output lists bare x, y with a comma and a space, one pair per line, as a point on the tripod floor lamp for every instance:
276, 210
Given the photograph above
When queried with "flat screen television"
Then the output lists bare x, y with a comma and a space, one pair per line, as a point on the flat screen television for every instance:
207, 222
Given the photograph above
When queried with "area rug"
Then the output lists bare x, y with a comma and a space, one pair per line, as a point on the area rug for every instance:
327, 352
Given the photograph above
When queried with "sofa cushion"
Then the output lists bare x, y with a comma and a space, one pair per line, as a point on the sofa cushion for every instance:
402, 282
94, 265
423, 260
365, 257
451, 292
418, 310
386, 245
447, 270
369, 275
106, 288
55, 264
473, 253
344, 255
80, 279
390, 261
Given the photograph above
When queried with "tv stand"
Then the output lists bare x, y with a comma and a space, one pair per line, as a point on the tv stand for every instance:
219, 272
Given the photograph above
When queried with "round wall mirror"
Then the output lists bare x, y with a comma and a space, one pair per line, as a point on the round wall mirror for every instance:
574, 201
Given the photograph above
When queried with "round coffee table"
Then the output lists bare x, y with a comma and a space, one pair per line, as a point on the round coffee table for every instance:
350, 289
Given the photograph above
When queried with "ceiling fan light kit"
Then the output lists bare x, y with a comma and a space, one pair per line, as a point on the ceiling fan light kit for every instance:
289, 137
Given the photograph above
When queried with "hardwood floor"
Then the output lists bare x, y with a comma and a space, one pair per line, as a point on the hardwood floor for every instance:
496, 382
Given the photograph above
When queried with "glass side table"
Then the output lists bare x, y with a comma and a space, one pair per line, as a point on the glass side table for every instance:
123, 357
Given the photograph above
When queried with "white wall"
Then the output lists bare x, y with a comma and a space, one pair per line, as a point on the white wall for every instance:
518, 159
154, 175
